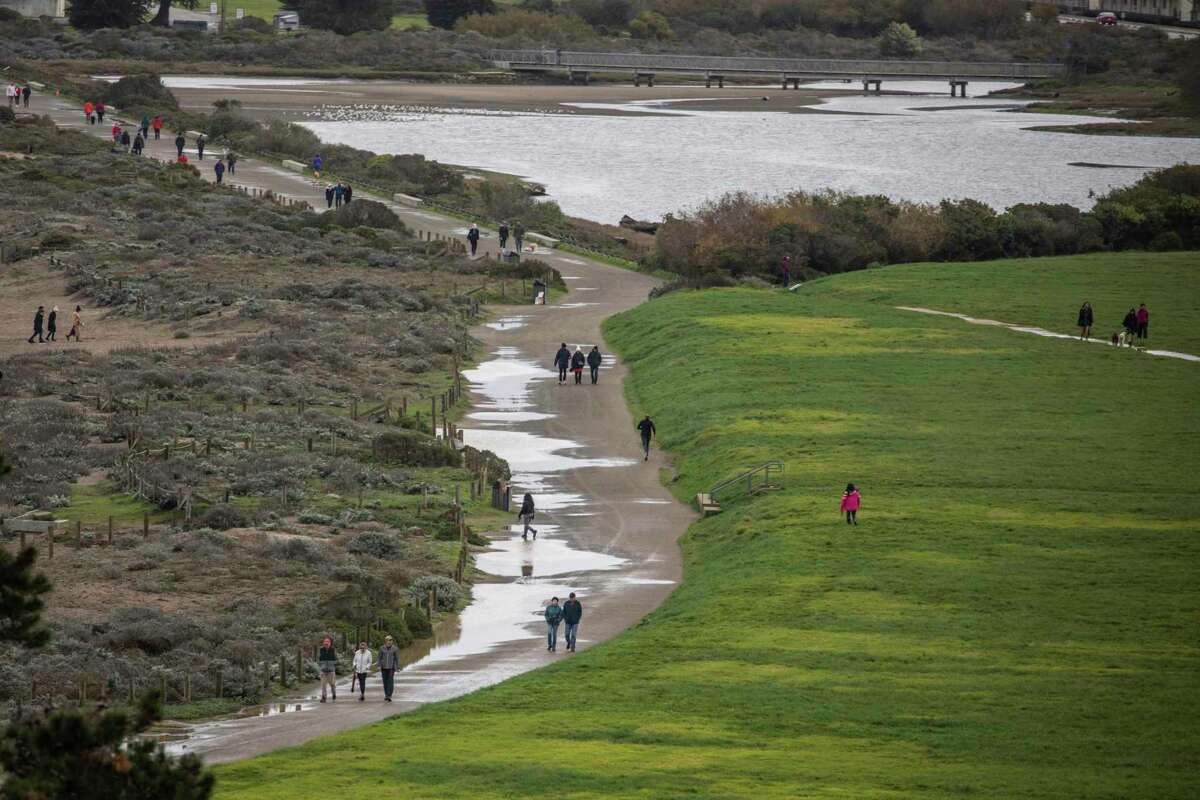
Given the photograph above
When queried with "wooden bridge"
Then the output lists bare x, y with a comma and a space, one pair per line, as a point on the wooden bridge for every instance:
793, 71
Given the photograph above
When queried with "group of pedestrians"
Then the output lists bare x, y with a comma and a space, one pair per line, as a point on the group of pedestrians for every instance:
566, 361
338, 193
123, 140
518, 236
94, 112
17, 95
1135, 325
361, 663
45, 326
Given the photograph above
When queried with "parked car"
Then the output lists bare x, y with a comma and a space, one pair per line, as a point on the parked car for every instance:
1106, 18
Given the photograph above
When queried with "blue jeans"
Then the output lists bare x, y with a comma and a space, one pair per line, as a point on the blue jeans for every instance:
551, 635
570, 631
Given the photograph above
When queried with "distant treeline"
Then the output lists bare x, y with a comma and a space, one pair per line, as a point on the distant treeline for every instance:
827, 232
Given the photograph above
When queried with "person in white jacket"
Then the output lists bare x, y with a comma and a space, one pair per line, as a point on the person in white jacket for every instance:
362, 665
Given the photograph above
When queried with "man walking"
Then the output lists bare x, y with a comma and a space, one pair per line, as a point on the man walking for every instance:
518, 236
156, 124
389, 662
145, 126
503, 234
200, 142
125, 141
339, 191
327, 662
231, 159
1143, 322
25, 93
179, 144
329, 195
562, 360
362, 665
52, 324
646, 427
138, 143
593, 359
317, 163
100, 109
785, 267
38, 318
346, 192
572, 611
473, 238
219, 169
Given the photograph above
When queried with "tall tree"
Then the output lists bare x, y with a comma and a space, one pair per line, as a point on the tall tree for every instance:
163, 17
90, 15
346, 16
444, 13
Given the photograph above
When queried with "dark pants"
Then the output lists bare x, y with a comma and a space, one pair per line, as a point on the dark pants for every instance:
232, 167
851, 517
50, 334
219, 176
595, 374
646, 446
329, 201
157, 134
27, 101
517, 244
474, 244
100, 116
571, 630
37, 334
179, 151
200, 152
1143, 330
503, 240
389, 681
362, 683
562, 374
578, 375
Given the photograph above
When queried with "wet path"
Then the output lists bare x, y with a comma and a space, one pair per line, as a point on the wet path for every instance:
607, 527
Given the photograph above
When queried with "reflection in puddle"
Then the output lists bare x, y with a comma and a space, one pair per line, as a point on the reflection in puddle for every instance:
528, 452
577, 305
647, 581
650, 501
507, 323
544, 556
509, 416
505, 382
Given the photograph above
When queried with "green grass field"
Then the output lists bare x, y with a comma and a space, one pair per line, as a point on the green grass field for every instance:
1015, 616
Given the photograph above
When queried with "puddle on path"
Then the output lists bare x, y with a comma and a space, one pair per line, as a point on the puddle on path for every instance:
576, 305
506, 382
542, 557
531, 453
507, 323
508, 417
650, 501
1043, 332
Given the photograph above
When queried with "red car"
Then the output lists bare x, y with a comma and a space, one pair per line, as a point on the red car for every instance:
1106, 18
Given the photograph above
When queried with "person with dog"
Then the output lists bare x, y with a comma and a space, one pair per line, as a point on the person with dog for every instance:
1085, 320
562, 360
1143, 322
851, 500
593, 359
525, 517
577, 362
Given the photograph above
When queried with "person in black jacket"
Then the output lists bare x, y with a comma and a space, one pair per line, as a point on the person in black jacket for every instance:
329, 196
1085, 320
125, 142
503, 234
525, 516
52, 324
577, 361
473, 237
562, 360
572, 612
1130, 323
37, 324
593, 360
347, 193
179, 145
646, 427
200, 142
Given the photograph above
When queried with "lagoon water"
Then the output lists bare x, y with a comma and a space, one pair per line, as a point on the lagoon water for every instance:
915, 147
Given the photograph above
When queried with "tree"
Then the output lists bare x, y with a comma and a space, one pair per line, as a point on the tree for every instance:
651, 25
1189, 74
346, 16
898, 40
90, 15
1044, 13
21, 591
71, 753
445, 13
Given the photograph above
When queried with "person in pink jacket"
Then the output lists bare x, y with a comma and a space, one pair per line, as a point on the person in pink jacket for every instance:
850, 502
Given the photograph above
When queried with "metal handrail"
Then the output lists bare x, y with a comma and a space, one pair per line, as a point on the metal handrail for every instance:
748, 478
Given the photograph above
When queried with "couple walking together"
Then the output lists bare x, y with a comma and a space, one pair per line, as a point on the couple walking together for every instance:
568, 613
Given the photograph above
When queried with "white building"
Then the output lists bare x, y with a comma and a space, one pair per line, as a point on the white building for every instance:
1185, 11
37, 8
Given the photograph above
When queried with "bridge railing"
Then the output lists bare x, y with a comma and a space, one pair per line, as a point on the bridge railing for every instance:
800, 66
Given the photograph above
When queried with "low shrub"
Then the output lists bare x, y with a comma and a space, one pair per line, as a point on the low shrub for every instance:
223, 517
385, 546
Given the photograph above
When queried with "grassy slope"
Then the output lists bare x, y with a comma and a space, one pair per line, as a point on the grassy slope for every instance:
1015, 616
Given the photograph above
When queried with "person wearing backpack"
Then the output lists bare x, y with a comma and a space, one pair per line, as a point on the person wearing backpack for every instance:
554, 615
577, 362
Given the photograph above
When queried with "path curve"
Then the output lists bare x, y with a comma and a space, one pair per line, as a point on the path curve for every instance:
610, 530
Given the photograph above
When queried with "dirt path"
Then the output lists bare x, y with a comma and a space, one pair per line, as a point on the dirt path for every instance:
608, 526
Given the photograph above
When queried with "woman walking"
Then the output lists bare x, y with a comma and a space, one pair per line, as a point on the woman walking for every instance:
525, 516
577, 362
362, 665
554, 615
76, 326
51, 324
850, 503
1085, 320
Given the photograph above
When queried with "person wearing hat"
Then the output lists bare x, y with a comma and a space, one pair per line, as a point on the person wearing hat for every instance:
327, 662
389, 662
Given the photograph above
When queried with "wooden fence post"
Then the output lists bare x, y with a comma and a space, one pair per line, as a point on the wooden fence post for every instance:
78, 534
50, 543
299, 664
220, 683
432, 603
282, 670
145, 526
187, 688
110, 530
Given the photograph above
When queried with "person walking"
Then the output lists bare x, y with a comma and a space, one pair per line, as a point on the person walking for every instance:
1085, 320
180, 143
362, 665
329, 195
648, 431
327, 662
1130, 324
525, 517
25, 92
200, 142
145, 126
503, 234
100, 109
116, 134
518, 236
593, 361
572, 611
473, 238
562, 360
347, 191
577, 362
785, 268
156, 124
125, 141
10, 94
89, 111
389, 662
1143, 322
851, 500
554, 616
317, 163
38, 319
339, 192
139, 142
52, 324
231, 160
219, 169
76, 325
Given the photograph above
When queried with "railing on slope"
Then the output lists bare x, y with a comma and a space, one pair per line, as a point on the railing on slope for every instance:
763, 478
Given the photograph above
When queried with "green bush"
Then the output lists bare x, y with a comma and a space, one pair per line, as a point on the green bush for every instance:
143, 93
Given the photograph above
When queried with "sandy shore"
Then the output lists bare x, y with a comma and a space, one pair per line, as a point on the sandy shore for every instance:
302, 97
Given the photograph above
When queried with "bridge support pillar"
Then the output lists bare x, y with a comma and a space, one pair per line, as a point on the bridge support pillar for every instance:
869, 83
957, 88
649, 76
708, 79
584, 77
796, 84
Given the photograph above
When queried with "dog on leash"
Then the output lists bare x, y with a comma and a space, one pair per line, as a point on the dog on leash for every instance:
1122, 338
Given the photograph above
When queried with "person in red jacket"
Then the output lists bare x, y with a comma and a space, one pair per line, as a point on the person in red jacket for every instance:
850, 503
1143, 322
156, 123
89, 111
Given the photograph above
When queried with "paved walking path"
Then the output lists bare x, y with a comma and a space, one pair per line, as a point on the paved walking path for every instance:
608, 528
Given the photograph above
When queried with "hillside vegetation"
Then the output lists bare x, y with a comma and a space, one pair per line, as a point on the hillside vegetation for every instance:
1013, 616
